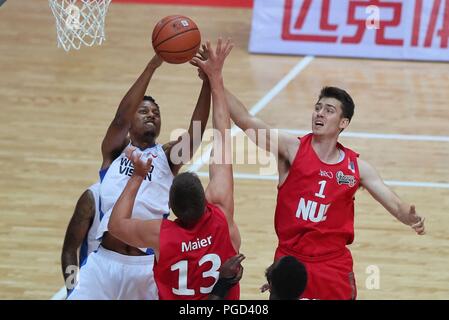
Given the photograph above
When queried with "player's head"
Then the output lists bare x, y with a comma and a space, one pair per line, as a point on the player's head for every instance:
333, 111
146, 123
287, 279
187, 198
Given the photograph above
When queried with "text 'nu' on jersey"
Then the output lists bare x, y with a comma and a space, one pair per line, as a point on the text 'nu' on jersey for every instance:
315, 205
152, 198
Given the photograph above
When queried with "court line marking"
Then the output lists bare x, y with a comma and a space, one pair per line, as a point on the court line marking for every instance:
381, 136
394, 183
259, 106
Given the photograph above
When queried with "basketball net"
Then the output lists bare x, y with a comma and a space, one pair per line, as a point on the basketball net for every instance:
79, 22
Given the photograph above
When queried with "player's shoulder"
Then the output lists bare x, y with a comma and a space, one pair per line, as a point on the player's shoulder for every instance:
95, 187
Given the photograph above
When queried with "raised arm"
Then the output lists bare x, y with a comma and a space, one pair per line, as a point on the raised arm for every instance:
135, 232
77, 230
116, 139
181, 151
281, 144
371, 180
220, 190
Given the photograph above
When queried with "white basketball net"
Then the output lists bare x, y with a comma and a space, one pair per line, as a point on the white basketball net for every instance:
79, 22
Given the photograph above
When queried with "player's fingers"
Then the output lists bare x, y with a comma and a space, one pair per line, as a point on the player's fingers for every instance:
129, 151
209, 48
264, 287
135, 157
219, 44
239, 275
236, 260
419, 223
197, 62
229, 49
149, 162
226, 44
240, 258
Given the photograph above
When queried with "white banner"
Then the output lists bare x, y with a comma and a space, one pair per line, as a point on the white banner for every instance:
388, 29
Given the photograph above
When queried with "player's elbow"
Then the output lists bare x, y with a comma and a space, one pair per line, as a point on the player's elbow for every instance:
113, 227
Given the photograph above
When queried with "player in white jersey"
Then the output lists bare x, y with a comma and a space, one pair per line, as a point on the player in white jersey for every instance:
80, 237
117, 270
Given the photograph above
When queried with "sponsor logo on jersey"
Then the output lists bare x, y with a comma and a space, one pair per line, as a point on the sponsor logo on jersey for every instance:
345, 179
326, 174
127, 168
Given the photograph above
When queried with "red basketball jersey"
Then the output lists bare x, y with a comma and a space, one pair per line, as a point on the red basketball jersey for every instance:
315, 205
190, 259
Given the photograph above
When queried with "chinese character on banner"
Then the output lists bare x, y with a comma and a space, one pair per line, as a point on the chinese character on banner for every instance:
443, 33
299, 22
386, 29
383, 24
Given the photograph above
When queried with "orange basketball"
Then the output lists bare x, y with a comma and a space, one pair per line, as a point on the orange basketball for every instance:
176, 39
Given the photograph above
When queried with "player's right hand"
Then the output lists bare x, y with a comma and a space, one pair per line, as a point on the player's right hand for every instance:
155, 62
215, 57
141, 165
417, 222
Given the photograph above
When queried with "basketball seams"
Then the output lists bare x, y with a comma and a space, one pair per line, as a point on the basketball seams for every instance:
197, 45
163, 26
174, 36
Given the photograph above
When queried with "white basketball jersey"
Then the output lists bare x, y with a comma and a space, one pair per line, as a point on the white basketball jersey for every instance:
92, 241
152, 198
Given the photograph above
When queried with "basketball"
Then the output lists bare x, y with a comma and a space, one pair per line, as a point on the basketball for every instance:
176, 39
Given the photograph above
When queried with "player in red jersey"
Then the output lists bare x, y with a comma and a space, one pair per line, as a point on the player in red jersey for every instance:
190, 250
318, 178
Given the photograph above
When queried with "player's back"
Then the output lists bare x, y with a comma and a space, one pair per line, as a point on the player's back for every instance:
190, 259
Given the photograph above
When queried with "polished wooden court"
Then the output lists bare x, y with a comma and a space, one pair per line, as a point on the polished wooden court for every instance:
55, 108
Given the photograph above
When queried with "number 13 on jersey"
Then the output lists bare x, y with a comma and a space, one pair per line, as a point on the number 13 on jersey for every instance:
182, 266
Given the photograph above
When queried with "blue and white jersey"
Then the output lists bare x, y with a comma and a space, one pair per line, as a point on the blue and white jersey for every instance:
91, 242
152, 197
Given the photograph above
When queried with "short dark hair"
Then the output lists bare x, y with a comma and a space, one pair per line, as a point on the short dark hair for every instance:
287, 278
151, 99
347, 104
187, 198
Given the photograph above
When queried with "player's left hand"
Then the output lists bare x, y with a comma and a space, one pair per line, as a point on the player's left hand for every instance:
232, 268
416, 222
215, 58
201, 55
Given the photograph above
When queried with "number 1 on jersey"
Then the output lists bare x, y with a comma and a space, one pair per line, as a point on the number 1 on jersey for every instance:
183, 290
320, 194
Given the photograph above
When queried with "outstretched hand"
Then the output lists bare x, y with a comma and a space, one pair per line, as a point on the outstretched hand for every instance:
416, 222
156, 61
141, 166
232, 268
202, 55
214, 59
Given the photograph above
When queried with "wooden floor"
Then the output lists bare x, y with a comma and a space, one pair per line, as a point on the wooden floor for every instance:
55, 108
